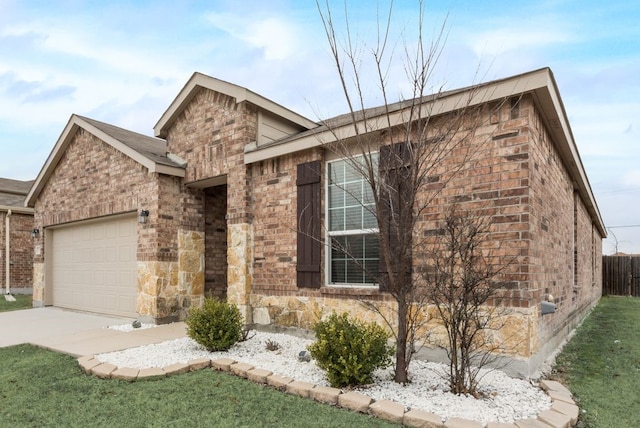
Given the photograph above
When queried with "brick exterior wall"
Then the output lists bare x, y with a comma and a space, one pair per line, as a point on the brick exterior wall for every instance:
513, 174
21, 257
88, 171
238, 239
494, 183
93, 180
275, 223
211, 134
216, 242
566, 256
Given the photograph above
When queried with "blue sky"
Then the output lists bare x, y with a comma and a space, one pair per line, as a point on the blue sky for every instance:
123, 62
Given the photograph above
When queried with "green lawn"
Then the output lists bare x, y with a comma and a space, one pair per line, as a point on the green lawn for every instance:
601, 365
23, 301
40, 388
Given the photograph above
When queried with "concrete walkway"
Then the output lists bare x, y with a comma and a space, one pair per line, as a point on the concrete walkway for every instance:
78, 333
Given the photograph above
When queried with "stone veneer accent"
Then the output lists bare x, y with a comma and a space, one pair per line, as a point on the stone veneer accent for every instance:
191, 268
302, 312
562, 414
38, 285
167, 289
513, 338
239, 273
155, 278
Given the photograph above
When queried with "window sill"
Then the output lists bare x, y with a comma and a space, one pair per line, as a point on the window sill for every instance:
351, 290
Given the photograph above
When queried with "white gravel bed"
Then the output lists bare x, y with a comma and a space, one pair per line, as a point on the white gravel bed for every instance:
508, 399
130, 327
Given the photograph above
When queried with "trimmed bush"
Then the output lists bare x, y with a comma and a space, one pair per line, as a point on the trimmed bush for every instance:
350, 350
217, 325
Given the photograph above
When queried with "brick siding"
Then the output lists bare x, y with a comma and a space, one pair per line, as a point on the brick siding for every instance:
216, 242
21, 261
512, 174
94, 180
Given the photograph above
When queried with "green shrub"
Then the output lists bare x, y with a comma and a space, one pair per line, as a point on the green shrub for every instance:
350, 350
217, 325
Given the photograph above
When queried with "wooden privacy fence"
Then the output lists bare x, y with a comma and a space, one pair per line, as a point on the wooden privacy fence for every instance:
621, 275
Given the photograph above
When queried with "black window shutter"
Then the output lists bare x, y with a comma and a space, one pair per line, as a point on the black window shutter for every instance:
393, 209
309, 246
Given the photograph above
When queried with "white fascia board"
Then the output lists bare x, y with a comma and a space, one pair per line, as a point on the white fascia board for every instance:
168, 170
52, 160
16, 210
558, 125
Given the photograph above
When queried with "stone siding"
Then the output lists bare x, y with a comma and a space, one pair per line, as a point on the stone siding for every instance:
167, 289
38, 296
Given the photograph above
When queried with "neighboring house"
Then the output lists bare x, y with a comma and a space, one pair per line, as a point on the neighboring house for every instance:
16, 243
146, 227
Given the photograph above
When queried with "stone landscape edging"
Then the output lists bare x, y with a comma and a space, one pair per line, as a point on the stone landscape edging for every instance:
562, 414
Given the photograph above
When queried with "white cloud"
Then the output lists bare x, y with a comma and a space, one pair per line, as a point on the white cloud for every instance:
632, 179
275, 35
102, 47
502, 40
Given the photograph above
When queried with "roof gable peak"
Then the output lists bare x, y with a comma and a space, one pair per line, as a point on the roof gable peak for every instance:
198, 81
147, 151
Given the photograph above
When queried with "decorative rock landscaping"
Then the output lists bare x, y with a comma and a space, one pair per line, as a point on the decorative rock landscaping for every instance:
563, 413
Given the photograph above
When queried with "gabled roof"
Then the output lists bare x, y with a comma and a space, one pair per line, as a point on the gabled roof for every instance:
341, 127
539, 83
200, 81
15, 187
152, 149
13, 194
148, 151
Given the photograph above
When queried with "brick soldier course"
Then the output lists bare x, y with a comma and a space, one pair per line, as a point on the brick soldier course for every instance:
224, 177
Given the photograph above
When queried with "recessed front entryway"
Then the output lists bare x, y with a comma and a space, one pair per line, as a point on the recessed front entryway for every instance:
216, 242
94, 266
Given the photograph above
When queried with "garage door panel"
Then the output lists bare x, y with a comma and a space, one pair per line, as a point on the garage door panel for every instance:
98, 254
94, 266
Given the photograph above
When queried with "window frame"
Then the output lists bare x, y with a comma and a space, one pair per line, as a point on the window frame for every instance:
329, 234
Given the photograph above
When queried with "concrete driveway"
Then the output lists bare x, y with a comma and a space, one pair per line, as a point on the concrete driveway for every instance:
78, 333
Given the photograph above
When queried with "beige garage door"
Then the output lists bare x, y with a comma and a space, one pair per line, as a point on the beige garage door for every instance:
94, 266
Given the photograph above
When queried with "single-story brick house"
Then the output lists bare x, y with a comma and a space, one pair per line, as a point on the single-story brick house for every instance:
16, 244
146, 227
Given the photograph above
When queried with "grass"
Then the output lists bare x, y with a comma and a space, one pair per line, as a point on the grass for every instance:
601, 365
23, 301
40, 388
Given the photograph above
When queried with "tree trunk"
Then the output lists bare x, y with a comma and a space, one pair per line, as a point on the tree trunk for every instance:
401, 372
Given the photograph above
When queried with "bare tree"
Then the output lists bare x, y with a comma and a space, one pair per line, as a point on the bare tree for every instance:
399, 149
616, 243
462, 282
